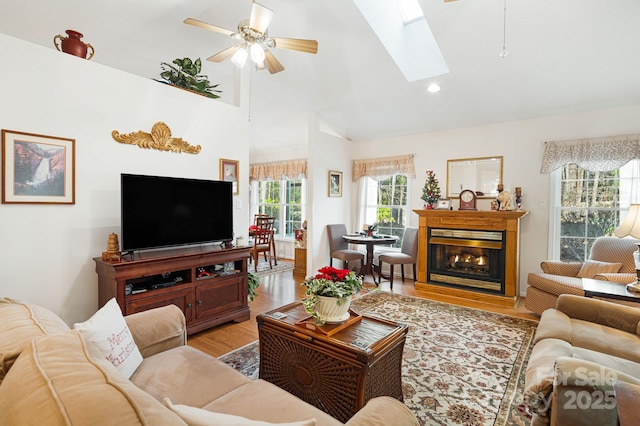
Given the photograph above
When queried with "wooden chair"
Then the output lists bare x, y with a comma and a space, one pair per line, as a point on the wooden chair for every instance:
262, 240
273, 241
338, 247
407, 255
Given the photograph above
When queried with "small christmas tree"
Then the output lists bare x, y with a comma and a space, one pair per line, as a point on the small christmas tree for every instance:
431, 190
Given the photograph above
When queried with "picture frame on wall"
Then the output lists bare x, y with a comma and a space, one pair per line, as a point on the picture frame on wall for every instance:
229, 172
335, 183
37, 169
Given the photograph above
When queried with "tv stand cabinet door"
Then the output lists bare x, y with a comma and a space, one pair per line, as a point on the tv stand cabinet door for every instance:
220, 296
182, 298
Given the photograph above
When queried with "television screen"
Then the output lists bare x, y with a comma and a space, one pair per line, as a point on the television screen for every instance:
165, 211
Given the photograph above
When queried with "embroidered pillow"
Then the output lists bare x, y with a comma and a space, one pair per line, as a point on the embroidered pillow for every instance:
108, 337
591, 268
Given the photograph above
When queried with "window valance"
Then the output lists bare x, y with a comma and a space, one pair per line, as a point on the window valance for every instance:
382, 168
594, 154
293, 169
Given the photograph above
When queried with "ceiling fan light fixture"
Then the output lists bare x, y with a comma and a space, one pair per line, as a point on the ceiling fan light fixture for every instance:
257, 53
240, 57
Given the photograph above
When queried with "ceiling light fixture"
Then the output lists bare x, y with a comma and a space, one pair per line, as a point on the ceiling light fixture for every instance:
504, 52
433, 88
239, 58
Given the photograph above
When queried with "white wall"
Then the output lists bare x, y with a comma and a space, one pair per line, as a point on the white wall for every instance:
46, 250
522, 145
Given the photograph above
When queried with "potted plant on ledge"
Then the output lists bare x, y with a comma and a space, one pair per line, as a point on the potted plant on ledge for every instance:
185, 74
328, 294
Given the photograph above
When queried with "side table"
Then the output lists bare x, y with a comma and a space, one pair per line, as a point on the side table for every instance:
608, 289
337, 373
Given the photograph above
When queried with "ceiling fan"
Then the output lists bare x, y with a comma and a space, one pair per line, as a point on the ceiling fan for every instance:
254, 41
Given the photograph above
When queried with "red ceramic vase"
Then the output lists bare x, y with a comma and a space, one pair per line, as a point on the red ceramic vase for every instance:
73, 45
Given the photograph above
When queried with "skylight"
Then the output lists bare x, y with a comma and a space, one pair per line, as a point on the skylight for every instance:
407, 37
410, 10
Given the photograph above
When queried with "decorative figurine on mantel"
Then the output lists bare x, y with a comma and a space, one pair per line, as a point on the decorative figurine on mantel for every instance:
113, 249
506, 201
518, 198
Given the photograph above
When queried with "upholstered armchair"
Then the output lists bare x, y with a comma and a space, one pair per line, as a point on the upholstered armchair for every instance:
611, 259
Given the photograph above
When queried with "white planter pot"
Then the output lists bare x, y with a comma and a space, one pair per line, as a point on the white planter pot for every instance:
328, 309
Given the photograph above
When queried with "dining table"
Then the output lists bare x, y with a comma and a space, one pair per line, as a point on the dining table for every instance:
369, 242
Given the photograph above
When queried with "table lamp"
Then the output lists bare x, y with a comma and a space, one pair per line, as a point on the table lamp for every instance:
631, 226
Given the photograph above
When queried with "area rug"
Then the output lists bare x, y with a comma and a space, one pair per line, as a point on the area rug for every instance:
460, 366
264, 270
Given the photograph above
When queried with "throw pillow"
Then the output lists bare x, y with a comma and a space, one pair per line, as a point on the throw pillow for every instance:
199, 417
108, 338
591, 268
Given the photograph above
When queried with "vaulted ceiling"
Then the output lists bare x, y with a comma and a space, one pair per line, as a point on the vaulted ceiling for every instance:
564, 56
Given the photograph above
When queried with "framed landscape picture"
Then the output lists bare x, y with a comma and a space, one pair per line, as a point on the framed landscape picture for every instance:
335, 184
229, 173
37, 169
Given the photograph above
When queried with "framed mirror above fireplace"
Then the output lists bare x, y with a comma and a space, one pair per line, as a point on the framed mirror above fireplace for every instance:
481, 175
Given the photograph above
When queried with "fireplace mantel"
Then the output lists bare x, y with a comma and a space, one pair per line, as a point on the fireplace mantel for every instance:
502, 221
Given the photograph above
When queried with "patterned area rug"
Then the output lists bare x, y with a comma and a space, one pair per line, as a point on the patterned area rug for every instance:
460, 366
264, 270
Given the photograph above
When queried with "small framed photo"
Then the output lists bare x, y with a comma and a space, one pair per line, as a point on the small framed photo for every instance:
443, 204
37, 169
335, 184
229, 172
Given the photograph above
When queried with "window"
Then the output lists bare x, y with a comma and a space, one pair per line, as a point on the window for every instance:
387, 206
282, 199
588, 205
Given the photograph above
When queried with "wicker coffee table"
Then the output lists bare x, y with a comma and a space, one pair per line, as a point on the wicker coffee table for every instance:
338, 373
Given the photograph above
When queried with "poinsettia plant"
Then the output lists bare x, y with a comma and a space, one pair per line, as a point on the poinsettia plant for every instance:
330, 282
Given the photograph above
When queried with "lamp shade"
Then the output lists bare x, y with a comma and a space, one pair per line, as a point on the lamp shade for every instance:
631, 223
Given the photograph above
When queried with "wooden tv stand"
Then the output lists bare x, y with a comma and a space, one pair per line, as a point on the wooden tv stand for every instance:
160, 278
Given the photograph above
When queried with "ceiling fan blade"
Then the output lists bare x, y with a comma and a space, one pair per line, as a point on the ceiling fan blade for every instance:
273, 65
224, 54
206, 26
308, 46
260, 18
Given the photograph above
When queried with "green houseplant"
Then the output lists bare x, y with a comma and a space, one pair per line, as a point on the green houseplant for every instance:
185, 74
253, 282
330, 283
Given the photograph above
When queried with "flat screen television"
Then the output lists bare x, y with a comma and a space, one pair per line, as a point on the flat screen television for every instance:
166, 211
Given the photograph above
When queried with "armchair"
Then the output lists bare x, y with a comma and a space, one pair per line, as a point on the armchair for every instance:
580, 348
611, 259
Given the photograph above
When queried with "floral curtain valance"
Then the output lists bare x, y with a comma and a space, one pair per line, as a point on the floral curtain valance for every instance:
382, 168
284, 169
594, 154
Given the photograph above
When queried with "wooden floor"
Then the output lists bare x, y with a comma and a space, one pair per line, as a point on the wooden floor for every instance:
281, 289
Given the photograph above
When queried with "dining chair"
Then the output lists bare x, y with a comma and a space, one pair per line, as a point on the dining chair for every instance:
273, 230
262, 240
407, 255
338, 247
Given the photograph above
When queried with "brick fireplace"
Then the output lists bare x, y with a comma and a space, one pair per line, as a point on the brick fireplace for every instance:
470, 254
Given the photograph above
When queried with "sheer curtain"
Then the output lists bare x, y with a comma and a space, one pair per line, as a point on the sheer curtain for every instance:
292, 169
593, 154
377, 169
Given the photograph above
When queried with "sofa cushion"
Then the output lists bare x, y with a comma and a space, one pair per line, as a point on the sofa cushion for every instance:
555, 284
186, 376
21, 322
55, 382
199, 417
555, 324
591, 268
268, 403
108, 338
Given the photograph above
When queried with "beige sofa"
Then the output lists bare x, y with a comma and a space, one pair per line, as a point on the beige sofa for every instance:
607, 254
581, 347
48, 377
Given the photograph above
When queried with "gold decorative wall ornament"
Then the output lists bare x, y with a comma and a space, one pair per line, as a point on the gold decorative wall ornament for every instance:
159, 138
